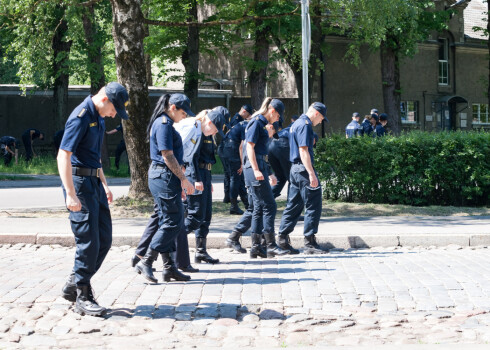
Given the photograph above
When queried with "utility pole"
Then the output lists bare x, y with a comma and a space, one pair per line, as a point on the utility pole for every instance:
306, 38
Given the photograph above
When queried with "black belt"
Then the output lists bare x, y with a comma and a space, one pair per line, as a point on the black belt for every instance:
207, 166
85, 171
298, 162
232, 141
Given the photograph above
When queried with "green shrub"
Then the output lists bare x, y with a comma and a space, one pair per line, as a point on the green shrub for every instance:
417, 168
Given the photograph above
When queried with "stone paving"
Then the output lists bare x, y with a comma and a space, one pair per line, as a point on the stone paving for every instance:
408, 295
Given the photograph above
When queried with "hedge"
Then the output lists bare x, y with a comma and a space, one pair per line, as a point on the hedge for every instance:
416, 168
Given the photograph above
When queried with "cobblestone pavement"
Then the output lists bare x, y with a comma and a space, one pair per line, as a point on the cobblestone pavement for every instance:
352, 297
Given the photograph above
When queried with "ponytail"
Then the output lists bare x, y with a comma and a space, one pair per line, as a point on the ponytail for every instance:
160, 108
265, 106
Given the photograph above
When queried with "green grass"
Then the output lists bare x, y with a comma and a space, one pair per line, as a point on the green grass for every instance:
41, 165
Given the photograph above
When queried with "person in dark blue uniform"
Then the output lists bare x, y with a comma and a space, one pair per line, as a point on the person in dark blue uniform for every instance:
366, 128
278, 151
167, 183
231, 151
304, 190
28, 138
86, 192
199, 205
352, 129
224, 159
258, 177
244, 114
380, 126
9, 148
121, 147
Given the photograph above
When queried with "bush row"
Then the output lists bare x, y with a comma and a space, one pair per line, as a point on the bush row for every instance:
416, 168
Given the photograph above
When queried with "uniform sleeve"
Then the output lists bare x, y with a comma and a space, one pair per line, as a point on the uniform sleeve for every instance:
302, 135
164, 136
75, 129
252, 132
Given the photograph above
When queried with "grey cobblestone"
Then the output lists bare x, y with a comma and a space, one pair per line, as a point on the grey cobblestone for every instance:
351, 297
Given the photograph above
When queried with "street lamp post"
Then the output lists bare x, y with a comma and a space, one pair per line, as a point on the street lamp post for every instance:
306, 33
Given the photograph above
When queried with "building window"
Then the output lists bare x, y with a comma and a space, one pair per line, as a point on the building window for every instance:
409, 111
480, 113
443, 62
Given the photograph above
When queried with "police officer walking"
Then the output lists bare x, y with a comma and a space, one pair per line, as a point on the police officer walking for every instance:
232, 151
86, 192
199, 158
304, 190
121, 147
380, 126
280, 164
167, 183
259, 179
352, 129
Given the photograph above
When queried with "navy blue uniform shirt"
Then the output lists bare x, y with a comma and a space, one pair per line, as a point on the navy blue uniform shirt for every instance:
352, 129
206, 152
284, 133
8, 141
237, 132
237, 118
380, 130
163, 137
257, 134
36, 134
84, 131
301, 135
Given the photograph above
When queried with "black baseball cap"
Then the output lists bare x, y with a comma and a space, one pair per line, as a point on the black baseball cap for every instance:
383, 116
181, 101
118, 95
248, 108
320, 107
218, 120
278, 106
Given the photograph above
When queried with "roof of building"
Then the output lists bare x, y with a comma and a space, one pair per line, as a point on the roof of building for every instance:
475, 16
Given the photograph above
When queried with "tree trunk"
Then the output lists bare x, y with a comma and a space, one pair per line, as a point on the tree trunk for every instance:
190, 59
96, 68
258, 75
149, 77
61, 52
128, 32
390, 77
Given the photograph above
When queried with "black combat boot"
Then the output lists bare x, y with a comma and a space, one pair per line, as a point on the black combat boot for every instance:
257, 249
190, 269
202, 254
86, 303
171, 271
272, 248
284, 242
233, 241
234, 208
144, 267
312, 247
134, 260
69, 290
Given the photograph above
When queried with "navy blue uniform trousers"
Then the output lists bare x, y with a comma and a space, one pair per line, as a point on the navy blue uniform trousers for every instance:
166, 190
302, 195
92, 227
280, 164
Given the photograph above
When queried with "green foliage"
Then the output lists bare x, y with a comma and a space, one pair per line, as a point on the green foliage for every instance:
416, 168
40, 165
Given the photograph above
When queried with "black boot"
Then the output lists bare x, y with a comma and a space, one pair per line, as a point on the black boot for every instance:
234, 208
144, 267
189, 269
272, 248
233, 241
257, 249
69, 290
134, 260
312, 247
226, 198
202, 254
86, 304
284, 242
170, 270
